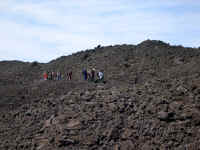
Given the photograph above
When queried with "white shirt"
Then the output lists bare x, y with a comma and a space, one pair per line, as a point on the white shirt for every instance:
100, 74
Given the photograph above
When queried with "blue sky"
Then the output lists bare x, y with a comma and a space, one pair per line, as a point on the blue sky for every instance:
42, 30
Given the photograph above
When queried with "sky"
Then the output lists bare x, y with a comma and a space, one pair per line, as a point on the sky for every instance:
42, 30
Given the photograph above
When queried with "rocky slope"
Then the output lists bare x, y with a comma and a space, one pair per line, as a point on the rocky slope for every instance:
151, 100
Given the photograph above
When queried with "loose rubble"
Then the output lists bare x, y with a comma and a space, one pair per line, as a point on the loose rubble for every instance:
151, 100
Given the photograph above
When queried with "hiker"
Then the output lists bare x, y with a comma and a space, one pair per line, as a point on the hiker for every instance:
93, 74
53, 75
49, 75
45, 76
58, 76
70, 75
85, 75
100, 76
89, 75
67, 76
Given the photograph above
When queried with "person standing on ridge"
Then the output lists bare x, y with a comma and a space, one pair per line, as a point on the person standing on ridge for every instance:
93, 74
53, 75
49, 75
67, 77
89, 75
58, 75
70, 75
45, 76
100, 75
85, 75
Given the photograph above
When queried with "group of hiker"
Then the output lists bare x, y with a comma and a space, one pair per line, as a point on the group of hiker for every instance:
56, 75
89, 75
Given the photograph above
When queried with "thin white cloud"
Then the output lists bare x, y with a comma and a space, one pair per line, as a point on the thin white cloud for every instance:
43, 30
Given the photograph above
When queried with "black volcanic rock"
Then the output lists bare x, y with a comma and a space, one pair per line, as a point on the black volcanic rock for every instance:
150, 100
